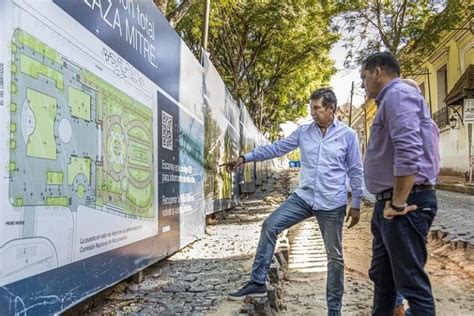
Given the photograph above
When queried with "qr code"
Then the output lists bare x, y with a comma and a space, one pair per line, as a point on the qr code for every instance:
166, 131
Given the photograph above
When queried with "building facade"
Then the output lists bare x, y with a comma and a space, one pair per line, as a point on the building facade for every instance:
446, 79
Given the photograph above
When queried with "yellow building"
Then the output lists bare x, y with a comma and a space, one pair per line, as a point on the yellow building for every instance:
446, 79
370, 109
362, 119
358, 124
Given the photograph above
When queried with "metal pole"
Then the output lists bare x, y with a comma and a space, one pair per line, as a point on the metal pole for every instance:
261, 114
469, 131
365, 128
429, 92
205, 24
350, 106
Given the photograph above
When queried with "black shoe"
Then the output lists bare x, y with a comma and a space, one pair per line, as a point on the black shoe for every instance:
250, 289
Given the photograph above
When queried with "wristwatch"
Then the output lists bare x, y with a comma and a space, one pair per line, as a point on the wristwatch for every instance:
243, 157
397, 208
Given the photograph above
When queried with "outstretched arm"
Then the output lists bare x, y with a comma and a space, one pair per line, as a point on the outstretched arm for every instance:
277, 149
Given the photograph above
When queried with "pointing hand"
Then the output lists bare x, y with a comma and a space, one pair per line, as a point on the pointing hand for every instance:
230, 166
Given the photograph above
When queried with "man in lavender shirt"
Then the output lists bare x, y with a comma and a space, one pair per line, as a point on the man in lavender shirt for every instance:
400, 171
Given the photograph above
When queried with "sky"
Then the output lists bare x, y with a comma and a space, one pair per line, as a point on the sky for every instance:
341, 81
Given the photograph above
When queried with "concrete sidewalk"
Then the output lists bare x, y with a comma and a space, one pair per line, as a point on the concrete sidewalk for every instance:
454, 220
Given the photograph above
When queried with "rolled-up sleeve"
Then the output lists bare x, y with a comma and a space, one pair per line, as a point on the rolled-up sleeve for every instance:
403, 123
277, 149
355, 171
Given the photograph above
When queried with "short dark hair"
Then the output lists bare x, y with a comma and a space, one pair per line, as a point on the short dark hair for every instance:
385, 60
327, 95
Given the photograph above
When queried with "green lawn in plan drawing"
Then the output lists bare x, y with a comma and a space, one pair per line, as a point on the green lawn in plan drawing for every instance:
139, 154
139, 133
80, 103
34, 68
57, 200
139, 175
55, 177
36, 45
78, 166
41, 142
141, 197
81, 191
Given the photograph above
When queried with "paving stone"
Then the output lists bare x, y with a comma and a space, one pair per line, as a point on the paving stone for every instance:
177, 288
148, 311
223, 287
196, 280
247, 309
184, 295
159, 295
272, 298
454, 215
232, 221
190, 277
200, 287
169, 313
204, 303
441, 234
461, 244
176, 309
249, 219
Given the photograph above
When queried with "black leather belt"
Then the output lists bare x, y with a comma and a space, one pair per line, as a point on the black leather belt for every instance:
387, 194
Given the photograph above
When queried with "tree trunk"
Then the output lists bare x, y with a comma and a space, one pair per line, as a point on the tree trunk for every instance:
161, 4
177, 14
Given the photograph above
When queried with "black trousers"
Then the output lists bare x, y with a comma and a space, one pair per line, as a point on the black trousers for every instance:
399, 255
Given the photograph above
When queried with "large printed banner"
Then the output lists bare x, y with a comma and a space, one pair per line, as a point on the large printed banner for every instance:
248, 141
221, 144
101, 148
262, 167
259, 164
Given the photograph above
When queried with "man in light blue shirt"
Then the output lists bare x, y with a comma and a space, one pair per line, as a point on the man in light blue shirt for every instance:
329, 153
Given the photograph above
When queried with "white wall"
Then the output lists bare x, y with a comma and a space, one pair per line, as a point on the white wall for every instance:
454, 149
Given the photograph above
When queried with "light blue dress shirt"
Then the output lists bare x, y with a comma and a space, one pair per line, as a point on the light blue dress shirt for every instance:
325, 164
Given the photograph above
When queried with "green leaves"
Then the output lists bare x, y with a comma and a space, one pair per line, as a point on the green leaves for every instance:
413, 27
271, 53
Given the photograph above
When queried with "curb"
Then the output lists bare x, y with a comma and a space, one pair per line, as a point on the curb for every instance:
436, 233
454, 242
459, 188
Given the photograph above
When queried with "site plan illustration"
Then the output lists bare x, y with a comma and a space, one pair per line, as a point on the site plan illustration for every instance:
62, 117
81, 154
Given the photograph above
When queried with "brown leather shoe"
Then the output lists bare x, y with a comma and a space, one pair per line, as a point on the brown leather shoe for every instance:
399, 310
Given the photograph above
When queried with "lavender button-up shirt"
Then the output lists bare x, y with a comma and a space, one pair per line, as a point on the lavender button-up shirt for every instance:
326, 161
401, 142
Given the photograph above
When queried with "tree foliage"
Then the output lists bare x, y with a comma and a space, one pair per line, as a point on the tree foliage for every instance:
271, 53
295, 155
174, 11
455, 14
371, 26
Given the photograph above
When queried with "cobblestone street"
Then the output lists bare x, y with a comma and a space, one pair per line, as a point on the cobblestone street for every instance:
455, 215
196, 280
